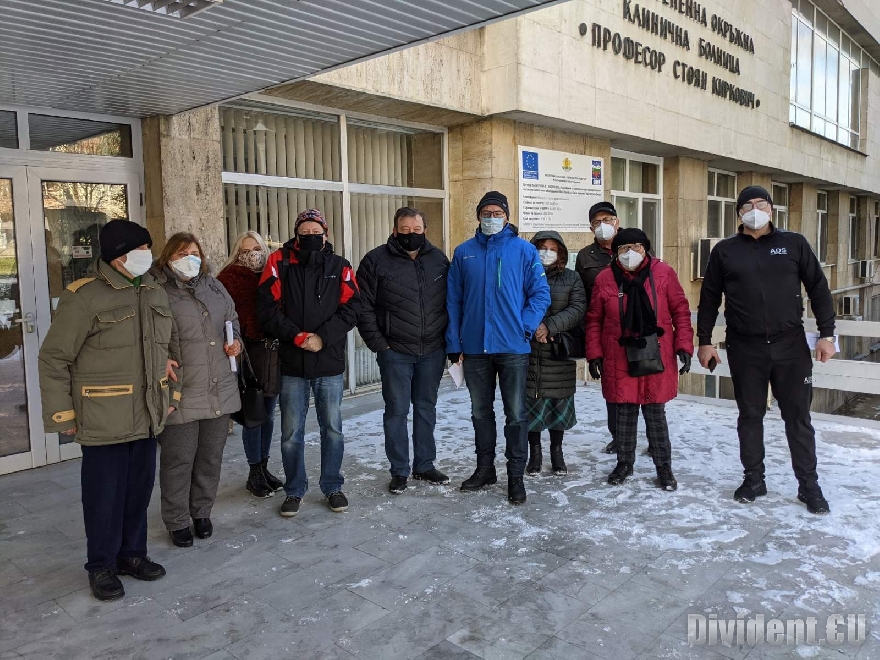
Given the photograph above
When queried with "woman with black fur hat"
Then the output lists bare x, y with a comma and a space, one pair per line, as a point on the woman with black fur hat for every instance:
639, 321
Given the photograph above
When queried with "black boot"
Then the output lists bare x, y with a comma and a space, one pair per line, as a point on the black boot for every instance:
141, 568
182, 538
557, 462
516, 490
482, 476
665, 478
274, 482
256, 483
811, 495
105, 584
204, 527
611, 447
620, 473
534, 466
752, 486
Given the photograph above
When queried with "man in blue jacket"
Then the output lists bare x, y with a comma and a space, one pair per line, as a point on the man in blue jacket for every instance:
497, 297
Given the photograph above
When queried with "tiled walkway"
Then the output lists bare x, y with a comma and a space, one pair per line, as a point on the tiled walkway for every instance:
583, 570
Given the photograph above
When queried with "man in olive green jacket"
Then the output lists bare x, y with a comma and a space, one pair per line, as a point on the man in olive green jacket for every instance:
106, 377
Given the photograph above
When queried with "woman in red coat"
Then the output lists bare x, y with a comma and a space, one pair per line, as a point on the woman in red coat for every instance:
636, 276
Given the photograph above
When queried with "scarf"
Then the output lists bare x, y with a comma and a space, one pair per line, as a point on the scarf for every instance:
639, 317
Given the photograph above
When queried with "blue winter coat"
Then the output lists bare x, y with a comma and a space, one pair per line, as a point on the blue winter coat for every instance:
497, 295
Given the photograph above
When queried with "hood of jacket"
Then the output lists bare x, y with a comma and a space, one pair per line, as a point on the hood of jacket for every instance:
545, 234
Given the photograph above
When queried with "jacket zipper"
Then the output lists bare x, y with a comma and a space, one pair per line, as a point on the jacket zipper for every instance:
763, 297
420, 274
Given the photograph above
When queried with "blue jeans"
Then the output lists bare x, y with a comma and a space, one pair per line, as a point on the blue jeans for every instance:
410, 379
511, 370
257, 440
294, 407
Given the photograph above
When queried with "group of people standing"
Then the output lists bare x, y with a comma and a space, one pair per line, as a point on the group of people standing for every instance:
139, 355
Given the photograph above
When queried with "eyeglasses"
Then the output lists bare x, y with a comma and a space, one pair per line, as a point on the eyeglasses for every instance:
608, 221
763, 205
495, 214
638, 247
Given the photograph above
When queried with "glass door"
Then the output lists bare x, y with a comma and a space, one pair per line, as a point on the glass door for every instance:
67, 211
22, 442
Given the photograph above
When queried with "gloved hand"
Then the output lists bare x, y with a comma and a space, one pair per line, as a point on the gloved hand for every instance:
596, 368
685, 362
453, 357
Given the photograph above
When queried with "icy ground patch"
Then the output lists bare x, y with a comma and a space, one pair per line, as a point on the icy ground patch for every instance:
583, 570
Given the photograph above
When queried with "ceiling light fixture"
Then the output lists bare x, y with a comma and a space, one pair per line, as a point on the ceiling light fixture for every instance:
172, 8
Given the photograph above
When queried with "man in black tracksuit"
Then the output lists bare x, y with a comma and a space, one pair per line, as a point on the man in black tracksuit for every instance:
591, 261
404, 319
760, 271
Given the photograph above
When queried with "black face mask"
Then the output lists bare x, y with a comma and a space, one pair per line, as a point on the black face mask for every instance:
310, 242
411, 242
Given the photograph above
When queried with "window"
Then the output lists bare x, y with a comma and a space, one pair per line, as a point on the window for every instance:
853, 230
722, 204
876, 253
636, 185
280, 160
826, 78
8, 130
780, 205
822, 237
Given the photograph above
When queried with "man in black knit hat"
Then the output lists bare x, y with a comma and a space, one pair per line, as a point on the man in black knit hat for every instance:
760, 271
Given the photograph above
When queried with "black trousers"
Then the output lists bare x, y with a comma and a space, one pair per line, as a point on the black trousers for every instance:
611, 408
117, 482
787, 366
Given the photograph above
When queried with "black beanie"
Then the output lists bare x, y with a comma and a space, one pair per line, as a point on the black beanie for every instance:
752, 192
120, 237
496, 198
606, 207
628, 236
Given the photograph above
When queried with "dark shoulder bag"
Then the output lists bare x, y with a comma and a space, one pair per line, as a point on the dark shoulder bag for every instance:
570, 344
253, 407
642, 353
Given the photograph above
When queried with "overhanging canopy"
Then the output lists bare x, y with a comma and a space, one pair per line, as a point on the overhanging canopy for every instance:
103, 57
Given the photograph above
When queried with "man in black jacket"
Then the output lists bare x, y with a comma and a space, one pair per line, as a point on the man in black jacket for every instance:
760, 271
309, 300
403, 289
591, 261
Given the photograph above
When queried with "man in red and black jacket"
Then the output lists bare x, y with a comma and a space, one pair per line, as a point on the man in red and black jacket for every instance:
309, 300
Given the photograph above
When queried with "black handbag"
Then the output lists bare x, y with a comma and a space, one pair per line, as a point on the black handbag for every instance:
253, 406
267, 368
642, 353
569, 344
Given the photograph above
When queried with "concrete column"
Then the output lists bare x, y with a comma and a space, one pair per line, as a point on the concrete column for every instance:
746, 179
802, 215
183, 187
685, 217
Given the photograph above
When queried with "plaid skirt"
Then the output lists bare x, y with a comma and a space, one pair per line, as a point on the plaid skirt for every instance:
551, 414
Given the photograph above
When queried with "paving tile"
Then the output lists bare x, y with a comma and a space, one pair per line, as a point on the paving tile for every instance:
666, 646
222, 585
493, 581
600, 638
312, 631
640, 608
520, 624
33, 623
410, 631
555, 649
447, 651
347, 569
583, 581
419, 575
33, 591
398, 545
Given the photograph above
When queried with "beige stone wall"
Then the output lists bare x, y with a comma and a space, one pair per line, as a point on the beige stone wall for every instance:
483, 157
183, 188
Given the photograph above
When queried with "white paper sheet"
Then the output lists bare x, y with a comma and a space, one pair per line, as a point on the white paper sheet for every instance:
457, 373
230, 337
813, 337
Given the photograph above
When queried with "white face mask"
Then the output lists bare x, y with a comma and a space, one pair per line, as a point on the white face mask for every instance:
630, 259
138, 262
548, 257
605, 232
491, 226
187, 267
756, 219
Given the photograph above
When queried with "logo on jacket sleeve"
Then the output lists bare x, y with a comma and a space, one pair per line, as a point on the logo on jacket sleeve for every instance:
779, 251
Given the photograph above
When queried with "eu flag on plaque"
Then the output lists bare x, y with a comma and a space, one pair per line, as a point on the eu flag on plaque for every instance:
530, 165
